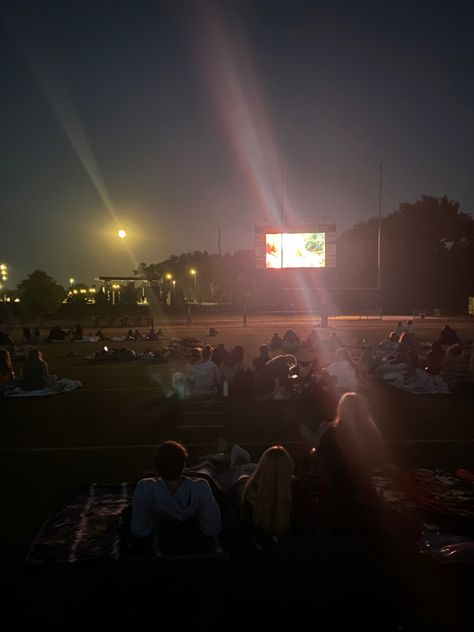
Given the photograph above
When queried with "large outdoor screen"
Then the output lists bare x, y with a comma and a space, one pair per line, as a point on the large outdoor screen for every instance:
295, 250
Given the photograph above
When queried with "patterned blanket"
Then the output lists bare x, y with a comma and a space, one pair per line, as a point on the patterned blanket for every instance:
84, 525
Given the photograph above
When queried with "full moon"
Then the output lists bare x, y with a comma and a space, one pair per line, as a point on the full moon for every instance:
122, 233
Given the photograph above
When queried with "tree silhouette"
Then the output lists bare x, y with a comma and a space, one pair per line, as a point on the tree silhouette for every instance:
40, 294
427, 255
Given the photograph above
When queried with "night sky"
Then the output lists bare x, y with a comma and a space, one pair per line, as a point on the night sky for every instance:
171, 118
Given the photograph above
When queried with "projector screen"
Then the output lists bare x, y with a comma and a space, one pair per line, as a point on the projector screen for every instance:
295, 250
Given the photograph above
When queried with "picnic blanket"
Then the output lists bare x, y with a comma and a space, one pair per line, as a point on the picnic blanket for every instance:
62, 386
421, 384
84, 525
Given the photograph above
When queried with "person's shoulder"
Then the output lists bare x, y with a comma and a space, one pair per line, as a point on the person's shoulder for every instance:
195, 481
147, 488
149, 482
198, 485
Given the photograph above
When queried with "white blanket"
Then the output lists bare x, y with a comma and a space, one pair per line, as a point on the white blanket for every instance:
61, 386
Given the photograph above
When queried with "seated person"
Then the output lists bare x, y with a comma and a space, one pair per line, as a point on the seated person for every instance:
7, 374
313, 339
171, 500
204, 373
35, 372
160, 335
137, 335
57, 333
456, 367
290, 340
399, 329
410, 328
260, 361
405, 345
276, 342
314, 384
219, 354
274, 502
129, 335
78, 333
448, 336
435, 358
232, 365
347, 450
100, 335
273, 381
213, 332
344, 372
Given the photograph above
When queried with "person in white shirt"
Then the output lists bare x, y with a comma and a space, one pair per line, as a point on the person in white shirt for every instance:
204, 374
173, 498
399, 329
344, 371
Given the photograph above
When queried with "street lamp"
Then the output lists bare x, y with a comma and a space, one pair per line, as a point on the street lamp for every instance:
122, 233
115, 288
3, 272
193, 273
169, 277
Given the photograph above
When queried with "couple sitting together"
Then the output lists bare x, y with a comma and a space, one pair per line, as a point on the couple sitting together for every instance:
183, 510
183, 513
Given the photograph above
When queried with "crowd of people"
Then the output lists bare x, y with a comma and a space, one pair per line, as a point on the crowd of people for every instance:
449, 359
275, 374
34, 375
263, 505
191, 510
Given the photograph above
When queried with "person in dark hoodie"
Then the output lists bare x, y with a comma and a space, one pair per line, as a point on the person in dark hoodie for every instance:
175, 504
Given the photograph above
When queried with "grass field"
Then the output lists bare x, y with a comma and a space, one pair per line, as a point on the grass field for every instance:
107, 430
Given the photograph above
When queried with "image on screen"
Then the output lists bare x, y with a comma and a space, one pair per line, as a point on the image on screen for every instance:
295, 250
273, 250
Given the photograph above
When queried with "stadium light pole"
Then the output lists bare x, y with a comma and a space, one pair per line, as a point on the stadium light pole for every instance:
379, 230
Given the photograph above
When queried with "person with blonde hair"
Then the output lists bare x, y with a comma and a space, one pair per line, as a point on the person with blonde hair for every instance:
347, 451
274, 502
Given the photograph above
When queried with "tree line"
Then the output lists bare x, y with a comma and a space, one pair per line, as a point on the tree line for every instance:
427, 261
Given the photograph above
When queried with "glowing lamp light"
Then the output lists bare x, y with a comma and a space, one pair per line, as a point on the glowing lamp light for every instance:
122, 233
169, 276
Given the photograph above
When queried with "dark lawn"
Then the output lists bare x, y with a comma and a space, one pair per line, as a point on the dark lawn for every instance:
107, 430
